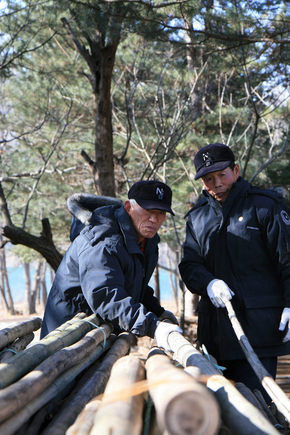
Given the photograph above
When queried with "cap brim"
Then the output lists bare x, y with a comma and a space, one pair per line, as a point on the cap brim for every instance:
218, 166
154, 205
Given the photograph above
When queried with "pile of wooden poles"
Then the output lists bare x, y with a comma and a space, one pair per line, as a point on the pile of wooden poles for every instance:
82, 379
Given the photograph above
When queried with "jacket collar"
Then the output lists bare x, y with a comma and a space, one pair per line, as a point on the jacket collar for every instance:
238, 191
129, 233
239, 188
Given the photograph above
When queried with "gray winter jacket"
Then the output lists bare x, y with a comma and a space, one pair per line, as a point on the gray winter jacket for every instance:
105, 272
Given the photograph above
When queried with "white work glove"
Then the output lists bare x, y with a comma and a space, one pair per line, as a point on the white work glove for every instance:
218, 290
169, 316
162, 333
285, 322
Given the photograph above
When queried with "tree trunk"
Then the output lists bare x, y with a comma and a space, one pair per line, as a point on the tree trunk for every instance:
4, 287
7, 285
103, 170
35, 288
173, 261
27, 287
157, 282
51, 274
3, 296
43, 285
99, 55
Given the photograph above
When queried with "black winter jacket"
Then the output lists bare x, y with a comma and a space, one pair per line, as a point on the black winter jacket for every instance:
246, 242
105, 272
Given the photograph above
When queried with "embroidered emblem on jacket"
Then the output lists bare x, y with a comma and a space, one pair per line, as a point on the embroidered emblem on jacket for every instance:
285, 217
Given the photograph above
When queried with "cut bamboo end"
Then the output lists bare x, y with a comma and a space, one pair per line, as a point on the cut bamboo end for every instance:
183, 405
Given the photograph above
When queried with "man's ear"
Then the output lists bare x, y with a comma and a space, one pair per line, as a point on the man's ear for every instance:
127, 206
236, 170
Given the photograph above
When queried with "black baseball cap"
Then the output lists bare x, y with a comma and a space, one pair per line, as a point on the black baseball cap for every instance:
211, 158
152, 194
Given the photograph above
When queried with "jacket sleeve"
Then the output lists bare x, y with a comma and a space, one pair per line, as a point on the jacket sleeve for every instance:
192, 267
275, 221
103, 285
151, 302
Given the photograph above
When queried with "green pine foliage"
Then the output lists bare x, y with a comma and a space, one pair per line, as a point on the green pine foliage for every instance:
185, 74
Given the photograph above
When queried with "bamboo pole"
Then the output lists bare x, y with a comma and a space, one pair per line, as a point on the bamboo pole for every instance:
274, 411
260, 398
36, 381
18, 345
94, 384
250, 396
28, 359
10, 426
275, 392
184, 406
237, 412
85, 420
42, 416
69, 322
120, 412
8, 335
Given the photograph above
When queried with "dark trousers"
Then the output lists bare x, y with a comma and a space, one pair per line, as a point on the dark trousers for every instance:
241, 371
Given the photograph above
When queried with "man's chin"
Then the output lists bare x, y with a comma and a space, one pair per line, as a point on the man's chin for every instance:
149, 234
220, 196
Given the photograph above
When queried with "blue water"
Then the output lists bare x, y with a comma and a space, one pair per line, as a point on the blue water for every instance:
164, 283
17, 283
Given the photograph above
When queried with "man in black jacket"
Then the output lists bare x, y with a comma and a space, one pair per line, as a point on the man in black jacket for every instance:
107, 268
237, 248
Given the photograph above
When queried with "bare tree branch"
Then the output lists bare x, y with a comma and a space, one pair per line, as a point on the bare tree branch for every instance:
271, 158
55, 142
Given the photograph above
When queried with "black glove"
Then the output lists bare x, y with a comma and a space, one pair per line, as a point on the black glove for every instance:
169, 317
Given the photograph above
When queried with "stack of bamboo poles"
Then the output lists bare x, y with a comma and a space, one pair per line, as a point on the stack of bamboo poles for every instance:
36, 381
83, 380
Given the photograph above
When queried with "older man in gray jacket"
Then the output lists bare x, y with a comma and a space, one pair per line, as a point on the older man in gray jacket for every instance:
108, 266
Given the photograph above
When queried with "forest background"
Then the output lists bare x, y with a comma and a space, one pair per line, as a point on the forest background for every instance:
98, 94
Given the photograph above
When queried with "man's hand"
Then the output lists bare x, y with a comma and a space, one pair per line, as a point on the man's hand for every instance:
162, 333
169, 316
285, 323
218, 290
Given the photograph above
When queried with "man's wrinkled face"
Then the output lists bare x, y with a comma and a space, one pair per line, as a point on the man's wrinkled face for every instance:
146, 222
219, 183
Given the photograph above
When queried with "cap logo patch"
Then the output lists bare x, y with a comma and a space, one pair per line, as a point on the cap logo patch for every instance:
207, 160
285, 217
160, 192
